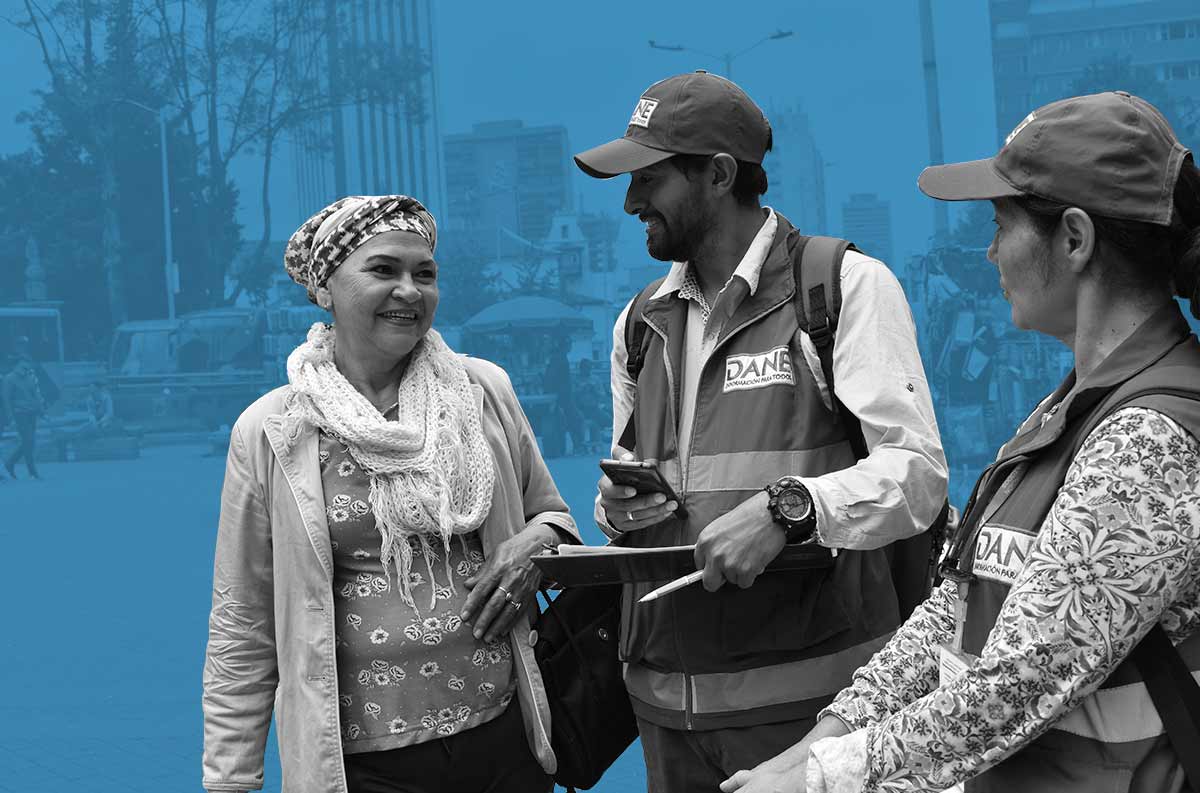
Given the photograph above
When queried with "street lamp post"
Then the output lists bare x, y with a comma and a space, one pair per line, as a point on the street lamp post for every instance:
171, 274
728, 57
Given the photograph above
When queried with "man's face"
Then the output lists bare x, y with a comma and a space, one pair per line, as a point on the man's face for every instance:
674, 208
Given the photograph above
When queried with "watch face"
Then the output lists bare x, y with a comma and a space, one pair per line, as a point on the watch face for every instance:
793, 504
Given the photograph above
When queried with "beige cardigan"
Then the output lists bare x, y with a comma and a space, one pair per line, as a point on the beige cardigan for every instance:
271, 631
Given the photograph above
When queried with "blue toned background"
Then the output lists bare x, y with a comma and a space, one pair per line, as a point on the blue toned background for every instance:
182, 318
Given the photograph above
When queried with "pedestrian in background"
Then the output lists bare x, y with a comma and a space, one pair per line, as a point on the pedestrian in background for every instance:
23, 405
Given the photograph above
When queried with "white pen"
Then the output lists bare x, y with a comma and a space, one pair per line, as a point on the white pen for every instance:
678, 583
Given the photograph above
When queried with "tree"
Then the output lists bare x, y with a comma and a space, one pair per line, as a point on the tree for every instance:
464, 284
97, 120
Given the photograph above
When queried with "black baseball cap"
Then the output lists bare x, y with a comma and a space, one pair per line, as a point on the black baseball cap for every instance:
1113, 154
694, 113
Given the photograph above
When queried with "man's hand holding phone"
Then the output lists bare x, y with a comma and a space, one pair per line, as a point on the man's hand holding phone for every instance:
628, 509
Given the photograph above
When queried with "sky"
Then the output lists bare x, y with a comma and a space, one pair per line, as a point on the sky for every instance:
853, 65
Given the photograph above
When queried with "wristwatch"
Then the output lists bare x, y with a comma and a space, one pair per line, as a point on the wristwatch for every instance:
791, 506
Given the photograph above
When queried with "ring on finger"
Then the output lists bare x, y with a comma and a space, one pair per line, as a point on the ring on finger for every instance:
515, 604
507, 595
630, 516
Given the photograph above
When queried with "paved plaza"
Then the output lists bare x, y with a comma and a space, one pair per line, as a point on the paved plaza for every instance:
107, 577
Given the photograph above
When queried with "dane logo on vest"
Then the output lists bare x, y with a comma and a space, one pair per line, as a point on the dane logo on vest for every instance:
758, 370
643, 111
1000, 553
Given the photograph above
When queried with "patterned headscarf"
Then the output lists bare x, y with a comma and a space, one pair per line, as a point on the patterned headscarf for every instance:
327, 238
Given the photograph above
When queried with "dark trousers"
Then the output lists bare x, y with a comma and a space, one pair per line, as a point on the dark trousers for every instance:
679, 761
491, 758
26, 426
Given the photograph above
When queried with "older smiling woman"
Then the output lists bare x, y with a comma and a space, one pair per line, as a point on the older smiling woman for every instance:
372, 583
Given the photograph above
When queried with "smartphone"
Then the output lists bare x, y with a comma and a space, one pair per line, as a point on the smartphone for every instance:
643, 477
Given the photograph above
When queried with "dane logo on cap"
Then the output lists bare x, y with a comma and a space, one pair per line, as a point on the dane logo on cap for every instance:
643, 111
1024, 123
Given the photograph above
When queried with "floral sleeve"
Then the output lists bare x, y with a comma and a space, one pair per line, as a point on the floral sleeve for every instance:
905, 670
1117, 553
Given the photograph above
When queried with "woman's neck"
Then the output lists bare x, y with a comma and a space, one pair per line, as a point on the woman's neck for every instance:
1104, 319
378, 381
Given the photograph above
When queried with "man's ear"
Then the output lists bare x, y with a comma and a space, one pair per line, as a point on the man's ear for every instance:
724, 173
1076, 239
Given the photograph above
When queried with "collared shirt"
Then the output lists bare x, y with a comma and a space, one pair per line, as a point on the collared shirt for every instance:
703, 326
898, 489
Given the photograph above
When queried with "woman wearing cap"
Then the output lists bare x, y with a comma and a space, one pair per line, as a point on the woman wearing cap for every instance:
1082, 541
372, 583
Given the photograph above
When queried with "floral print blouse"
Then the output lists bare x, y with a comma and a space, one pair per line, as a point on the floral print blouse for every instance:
404, 677
1119, 551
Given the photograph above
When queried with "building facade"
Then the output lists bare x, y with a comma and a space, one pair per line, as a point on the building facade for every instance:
1041, 49
378, 129
796, 171
867, 222
505, 182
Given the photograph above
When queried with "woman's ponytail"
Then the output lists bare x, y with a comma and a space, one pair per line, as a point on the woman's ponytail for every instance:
1185, 233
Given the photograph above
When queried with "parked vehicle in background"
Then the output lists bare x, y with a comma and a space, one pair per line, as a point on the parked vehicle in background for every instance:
201, 369
42, 327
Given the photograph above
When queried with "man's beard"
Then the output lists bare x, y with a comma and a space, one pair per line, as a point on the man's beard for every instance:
681, 241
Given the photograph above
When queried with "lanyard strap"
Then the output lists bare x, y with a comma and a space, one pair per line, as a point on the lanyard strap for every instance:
960, 571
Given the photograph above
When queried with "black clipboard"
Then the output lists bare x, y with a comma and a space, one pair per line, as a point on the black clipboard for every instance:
574, 565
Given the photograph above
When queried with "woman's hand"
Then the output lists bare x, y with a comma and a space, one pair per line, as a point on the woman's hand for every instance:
769, 777
506, 583
786, 772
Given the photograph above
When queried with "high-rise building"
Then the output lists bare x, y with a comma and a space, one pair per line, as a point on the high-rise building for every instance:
795, 171
377, 129
505, 181
867, 222
1042, 48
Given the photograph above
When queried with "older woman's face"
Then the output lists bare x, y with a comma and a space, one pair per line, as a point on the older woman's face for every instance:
384, 295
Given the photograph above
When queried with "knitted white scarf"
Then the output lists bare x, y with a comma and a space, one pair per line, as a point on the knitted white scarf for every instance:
431, 471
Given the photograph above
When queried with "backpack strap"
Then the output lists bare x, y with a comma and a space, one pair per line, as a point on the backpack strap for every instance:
635, 330
1175, 695
636, 344
1170, 684
817, 272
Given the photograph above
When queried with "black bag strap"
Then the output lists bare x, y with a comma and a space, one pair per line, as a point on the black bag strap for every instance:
568, 633
817, 272
1175, 694
1169, 682
635, 330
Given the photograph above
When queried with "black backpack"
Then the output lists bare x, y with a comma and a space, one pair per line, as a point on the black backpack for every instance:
817, 270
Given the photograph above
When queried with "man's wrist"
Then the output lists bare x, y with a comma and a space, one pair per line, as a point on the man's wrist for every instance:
791, 507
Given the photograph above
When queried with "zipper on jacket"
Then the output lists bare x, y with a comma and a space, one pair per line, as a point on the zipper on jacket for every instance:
688, 704
686, 465
671, 418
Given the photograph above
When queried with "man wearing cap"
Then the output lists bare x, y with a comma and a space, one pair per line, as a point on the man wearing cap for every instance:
730, 401
1065, 635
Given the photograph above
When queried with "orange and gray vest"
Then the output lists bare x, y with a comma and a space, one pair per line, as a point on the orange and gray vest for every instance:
782, 648
1114, 739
